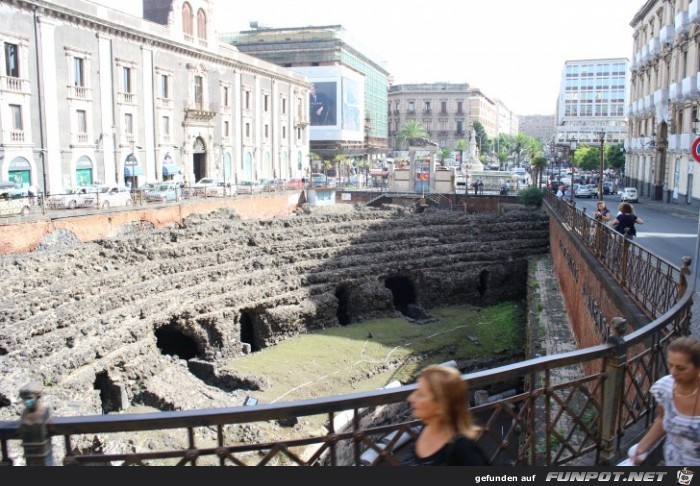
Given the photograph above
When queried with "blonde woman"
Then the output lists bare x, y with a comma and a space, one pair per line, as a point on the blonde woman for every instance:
448, 437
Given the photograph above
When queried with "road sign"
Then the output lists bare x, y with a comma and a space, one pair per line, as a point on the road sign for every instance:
695, 149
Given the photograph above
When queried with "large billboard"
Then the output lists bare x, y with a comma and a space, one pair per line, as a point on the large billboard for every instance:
336, 103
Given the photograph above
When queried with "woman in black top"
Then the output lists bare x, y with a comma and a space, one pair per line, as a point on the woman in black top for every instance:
626, 219
448, 437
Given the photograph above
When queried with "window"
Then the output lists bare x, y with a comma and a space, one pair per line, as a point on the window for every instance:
187, 19
198, 90
266, 104
427, 107
201, 25
17, 123
247, 129
78, 71
459, 107
11, 60
267, 131
226, 129
411, 106
225, 96
126, 79
284, 133
82, 121
164, 91
443, 107
128, 123
165, 127
247, 100
284, 106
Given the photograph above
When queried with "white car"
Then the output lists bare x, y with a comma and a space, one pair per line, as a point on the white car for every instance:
209, 186
629, 194
109, 196
586, 190
70, 198
249, 187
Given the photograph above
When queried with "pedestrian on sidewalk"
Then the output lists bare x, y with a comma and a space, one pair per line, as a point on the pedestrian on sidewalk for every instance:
626, 220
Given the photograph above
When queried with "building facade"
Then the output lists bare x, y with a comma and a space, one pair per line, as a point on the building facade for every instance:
90, 94
664, 99
592, 98
342, 71
540, 127
447, 112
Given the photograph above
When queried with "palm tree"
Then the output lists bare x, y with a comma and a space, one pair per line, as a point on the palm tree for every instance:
444, 154
412, 129
538, 164
461, 145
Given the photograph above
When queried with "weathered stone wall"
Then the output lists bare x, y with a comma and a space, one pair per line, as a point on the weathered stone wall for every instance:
89, 320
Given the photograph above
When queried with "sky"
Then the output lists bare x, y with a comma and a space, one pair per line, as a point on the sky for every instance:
513, 50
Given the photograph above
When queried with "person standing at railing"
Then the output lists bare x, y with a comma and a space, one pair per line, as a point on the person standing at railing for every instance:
677, 397
448, 436
602, 212
626, 219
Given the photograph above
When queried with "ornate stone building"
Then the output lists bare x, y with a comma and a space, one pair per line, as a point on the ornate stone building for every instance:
664, 98
89, 93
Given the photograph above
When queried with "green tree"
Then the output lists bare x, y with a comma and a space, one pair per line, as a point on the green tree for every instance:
587, 158
538, 165
482, 138
412, 129
444, 154
461, 145
615, 156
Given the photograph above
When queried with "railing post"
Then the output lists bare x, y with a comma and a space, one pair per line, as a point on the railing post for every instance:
33, 427
624, 257
614, 365
685, 271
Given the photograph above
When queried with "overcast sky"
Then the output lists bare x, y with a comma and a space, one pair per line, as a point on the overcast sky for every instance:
511, 49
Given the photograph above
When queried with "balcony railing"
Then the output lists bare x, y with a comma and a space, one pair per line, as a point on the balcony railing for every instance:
16, 136
79, 92
15, 85
127, 98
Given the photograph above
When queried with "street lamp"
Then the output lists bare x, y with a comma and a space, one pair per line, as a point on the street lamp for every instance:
572, 148
601, 138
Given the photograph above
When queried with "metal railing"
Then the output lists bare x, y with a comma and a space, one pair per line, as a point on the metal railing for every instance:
589, 419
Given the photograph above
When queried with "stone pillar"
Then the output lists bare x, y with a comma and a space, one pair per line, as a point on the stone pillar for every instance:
33, 427
615, 366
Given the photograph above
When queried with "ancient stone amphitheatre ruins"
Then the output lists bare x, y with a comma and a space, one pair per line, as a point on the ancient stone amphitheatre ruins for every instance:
148, 317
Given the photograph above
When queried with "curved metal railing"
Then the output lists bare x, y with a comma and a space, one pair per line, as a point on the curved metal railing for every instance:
587, 419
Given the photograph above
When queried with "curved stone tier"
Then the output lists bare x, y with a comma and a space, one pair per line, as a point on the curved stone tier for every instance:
102, 324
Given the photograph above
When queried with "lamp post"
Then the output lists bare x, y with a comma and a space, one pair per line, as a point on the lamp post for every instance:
601, 138
572, 148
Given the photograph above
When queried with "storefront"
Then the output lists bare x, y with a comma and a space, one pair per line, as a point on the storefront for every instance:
20, 172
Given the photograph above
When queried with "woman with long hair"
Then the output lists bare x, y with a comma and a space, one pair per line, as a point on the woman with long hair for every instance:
448, 437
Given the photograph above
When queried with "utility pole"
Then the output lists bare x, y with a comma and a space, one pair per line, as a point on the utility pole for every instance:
601, 137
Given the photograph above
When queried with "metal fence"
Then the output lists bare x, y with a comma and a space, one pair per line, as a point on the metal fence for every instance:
586, 420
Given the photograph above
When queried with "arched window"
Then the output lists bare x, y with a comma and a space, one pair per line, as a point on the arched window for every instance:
201, 25
187, 19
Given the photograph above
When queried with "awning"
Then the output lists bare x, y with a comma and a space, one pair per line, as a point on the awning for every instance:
170, 169
133, 170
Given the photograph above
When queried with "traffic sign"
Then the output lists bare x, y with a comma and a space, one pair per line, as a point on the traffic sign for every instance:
695, 149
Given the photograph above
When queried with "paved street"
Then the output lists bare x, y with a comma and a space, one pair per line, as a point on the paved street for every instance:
669, 231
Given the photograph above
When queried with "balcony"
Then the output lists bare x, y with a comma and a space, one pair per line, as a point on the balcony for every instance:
661, 98
200, 110
690, 87
646, 57
682, 23
674, 143
165, 103
80, 93
16, 136
667, 34
685, 141
15, 85
397, 112
675, 92
428, 111
694, 12
127, 98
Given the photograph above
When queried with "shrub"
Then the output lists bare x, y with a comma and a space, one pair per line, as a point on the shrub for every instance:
531, 196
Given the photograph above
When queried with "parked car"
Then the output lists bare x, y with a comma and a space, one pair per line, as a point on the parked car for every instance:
586, 190
109, 196
629, 194
164, 192
268, 185
13, 202
209, 186
70, 198
607, 187
249, 187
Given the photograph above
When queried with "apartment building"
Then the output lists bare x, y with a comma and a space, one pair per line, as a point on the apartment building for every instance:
91, 94
344, 72
592, 99
447, 111
664, 98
